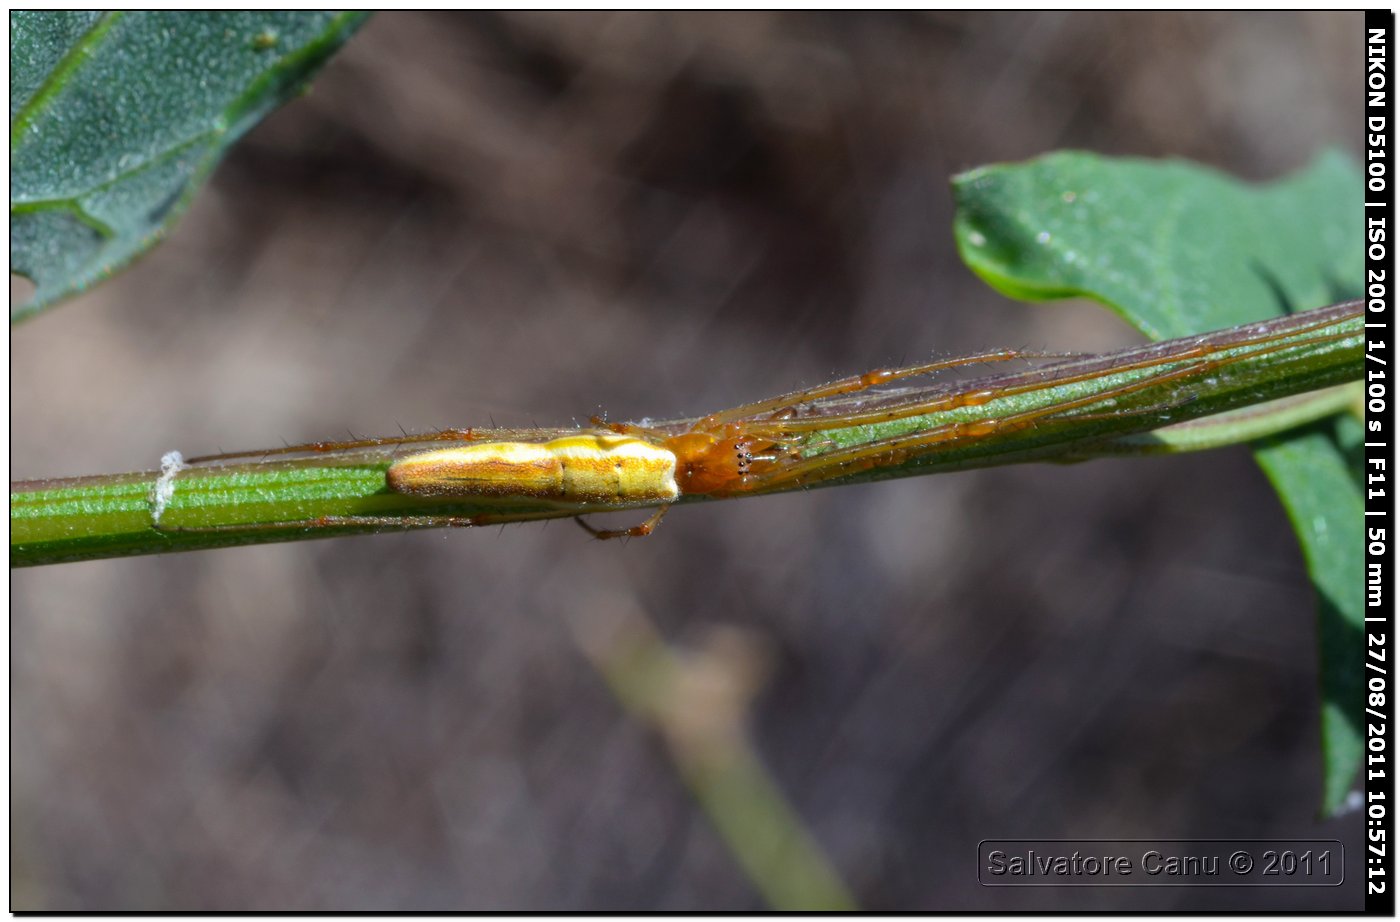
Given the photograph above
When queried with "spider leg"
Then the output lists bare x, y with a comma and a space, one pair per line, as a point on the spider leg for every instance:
922, 405
318, 447
896, 450
397, 522
630, 429
636, 531
383, 522
856, 383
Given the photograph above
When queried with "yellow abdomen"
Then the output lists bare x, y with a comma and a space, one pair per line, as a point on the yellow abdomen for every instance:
585, 468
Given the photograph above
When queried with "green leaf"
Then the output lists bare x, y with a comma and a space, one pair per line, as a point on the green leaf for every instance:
116, 118
1177, 249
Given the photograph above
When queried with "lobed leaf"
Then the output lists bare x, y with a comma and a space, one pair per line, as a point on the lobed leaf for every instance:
1177, 249
116, 118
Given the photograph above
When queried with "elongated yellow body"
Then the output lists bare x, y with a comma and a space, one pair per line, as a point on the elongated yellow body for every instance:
577, 469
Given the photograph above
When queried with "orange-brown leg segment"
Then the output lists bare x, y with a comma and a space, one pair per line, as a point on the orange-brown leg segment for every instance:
921, 406
636, 531
897, 450
857, 383
630, 429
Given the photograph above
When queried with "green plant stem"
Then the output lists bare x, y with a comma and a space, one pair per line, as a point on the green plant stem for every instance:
276, 497
1242, 425
698, 703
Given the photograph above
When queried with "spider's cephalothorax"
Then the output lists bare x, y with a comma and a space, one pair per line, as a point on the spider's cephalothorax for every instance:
713, 462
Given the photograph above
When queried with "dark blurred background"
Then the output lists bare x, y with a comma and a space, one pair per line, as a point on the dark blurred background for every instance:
530, 218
